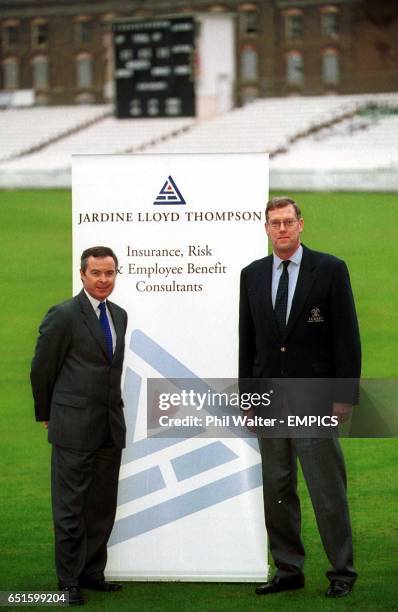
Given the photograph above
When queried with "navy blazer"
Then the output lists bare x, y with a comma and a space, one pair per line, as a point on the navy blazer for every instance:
322, 336
75, 386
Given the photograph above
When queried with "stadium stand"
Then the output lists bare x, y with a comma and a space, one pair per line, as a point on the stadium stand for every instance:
364, 143
107, 136
24, 131
19, 98
314, 142
272, 125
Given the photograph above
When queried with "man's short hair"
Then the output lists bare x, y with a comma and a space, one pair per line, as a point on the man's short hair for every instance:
97, 251
281, 202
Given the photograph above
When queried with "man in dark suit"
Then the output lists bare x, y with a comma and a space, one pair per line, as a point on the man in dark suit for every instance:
298, 320
75, 377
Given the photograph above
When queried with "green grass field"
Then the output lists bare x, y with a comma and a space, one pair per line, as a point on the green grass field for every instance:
36, 238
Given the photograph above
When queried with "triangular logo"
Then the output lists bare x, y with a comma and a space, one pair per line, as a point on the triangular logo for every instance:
169, 194
152, 501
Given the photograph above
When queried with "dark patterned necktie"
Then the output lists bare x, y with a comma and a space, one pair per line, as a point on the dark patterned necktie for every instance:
103, 319
281, 297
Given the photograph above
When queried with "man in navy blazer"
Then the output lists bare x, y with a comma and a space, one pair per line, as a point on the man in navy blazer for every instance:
298, 321
75, 375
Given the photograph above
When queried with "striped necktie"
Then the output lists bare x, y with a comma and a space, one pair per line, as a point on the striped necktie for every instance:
103, 319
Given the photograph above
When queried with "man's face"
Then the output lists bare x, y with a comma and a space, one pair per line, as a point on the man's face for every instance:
284, 229
99, 277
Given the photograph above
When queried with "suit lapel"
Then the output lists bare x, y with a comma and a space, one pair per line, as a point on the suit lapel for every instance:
265, 285
92, 322
118, 325
305, 280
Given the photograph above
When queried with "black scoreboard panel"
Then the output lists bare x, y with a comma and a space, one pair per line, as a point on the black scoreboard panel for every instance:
154, 68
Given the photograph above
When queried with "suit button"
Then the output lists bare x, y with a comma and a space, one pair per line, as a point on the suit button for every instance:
283, 349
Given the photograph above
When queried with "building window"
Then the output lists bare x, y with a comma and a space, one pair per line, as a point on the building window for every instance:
330, 21
83, 31
293, 23
39, 33
84, 71
248, 63
10, 35
248, 22
330, 67
40, 72
294, 68
11, 74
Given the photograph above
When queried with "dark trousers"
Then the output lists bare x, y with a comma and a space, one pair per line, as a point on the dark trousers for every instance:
323, 467
84, 496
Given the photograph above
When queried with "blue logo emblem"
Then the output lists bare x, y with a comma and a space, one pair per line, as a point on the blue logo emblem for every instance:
169, 194
174, 501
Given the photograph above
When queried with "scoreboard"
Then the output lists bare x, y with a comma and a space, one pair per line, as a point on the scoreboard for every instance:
154, 67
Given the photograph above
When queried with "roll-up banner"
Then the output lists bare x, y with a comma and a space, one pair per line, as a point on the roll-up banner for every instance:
182, 226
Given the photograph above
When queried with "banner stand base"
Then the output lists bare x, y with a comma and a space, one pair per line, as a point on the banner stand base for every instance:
125, 577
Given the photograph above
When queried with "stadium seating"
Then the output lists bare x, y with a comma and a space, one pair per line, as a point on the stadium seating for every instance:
24, 130
365, 143
306, 135
270, 125
107, 136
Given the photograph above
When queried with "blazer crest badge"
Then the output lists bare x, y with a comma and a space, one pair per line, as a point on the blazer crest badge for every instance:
315, 316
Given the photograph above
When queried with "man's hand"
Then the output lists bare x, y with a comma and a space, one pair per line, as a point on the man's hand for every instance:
342, 411
45, 423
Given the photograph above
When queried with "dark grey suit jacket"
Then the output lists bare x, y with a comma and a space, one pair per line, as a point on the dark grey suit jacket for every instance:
322, 336
75, 387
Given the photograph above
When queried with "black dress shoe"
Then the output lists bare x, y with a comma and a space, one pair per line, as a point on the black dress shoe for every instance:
278, 584
75, 595
100, 585
338, 588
